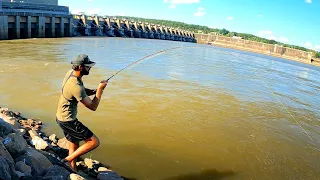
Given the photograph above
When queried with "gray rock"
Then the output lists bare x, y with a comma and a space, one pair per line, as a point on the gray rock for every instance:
54, 138
63, 143
22, 167
4, 153
7, 171
37, 161
39, 143
109, 176
76, 177
103, 169
57, 173
5, 128
20, 132
20, 174
15, 144
92, 164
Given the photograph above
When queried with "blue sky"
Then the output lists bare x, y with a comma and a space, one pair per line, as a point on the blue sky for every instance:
289, 21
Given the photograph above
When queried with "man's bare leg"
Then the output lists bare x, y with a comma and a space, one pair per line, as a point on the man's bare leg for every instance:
88, 146
72, 148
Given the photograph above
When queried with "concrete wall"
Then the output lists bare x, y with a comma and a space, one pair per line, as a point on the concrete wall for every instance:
254, 46
3, 27
34, 26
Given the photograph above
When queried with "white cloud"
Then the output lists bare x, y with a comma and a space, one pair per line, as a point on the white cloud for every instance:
181, 1
173, 3
260, 15
199, 13
230, 18
317, 47
308, 45
284, 39
90, 0
308, 1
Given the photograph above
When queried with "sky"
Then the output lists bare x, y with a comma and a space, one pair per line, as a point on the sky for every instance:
289, 21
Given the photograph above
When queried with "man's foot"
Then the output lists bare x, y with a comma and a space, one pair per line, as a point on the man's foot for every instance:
67, 165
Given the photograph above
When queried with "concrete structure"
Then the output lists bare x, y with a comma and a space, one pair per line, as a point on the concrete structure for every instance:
253, 46
105, 26
25, 20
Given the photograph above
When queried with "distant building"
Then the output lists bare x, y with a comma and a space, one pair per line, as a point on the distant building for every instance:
49, 2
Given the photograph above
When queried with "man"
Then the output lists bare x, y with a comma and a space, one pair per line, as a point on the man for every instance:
74, 91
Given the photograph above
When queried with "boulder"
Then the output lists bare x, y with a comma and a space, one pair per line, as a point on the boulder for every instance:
5, 128
37, 161
54, 138
92, 164
109, 176
56, 173
39, 143
4, 153
76, 177
7, 169
22, 167
63, 143
15, 144
103, 169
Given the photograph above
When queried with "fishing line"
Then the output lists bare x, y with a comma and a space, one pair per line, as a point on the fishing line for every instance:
174, 48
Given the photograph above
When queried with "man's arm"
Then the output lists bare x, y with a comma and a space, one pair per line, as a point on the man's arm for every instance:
94, 103
90, 92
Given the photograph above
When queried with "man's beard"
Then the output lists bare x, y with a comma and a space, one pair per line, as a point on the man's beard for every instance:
84, 72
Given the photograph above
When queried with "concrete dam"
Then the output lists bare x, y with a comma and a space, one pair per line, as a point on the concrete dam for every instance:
40, 19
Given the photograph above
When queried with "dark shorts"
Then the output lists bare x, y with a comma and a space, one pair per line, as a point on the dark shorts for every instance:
75, 131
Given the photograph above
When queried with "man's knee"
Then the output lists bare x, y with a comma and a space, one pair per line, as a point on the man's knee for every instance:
95, 141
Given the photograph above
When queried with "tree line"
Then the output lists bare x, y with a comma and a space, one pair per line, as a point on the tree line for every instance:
224, 32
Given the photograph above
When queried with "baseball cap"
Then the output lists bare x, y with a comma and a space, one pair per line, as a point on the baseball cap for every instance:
82, 59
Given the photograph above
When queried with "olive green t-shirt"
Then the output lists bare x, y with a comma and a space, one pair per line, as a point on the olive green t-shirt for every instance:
73, 91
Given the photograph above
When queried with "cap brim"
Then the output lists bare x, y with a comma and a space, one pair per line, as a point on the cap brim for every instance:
91, 64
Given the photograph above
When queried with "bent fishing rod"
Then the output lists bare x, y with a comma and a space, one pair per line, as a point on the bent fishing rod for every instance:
142, 59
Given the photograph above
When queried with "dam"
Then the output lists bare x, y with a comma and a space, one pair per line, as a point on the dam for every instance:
46, 19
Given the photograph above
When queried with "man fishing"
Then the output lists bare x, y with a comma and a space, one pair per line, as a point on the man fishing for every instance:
74, 91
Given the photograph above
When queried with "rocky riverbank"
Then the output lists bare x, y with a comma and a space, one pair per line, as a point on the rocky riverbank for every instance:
28, 153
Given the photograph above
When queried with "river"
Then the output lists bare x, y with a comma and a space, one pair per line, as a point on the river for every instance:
197, 112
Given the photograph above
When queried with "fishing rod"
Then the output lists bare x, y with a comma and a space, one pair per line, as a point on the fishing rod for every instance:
174, 48
142, 59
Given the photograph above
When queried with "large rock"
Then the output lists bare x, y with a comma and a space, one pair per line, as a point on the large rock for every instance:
4, 153
5, 128
76, 177
109, 176
11, 120
56, 173
37, 161
63, 143
7, 171
39, 143
15, 144
22, 167
54, 138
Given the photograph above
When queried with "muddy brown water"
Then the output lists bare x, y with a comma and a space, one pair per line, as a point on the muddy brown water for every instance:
191, 113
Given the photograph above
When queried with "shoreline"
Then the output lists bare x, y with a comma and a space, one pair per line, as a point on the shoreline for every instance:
26, 152
314, 62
